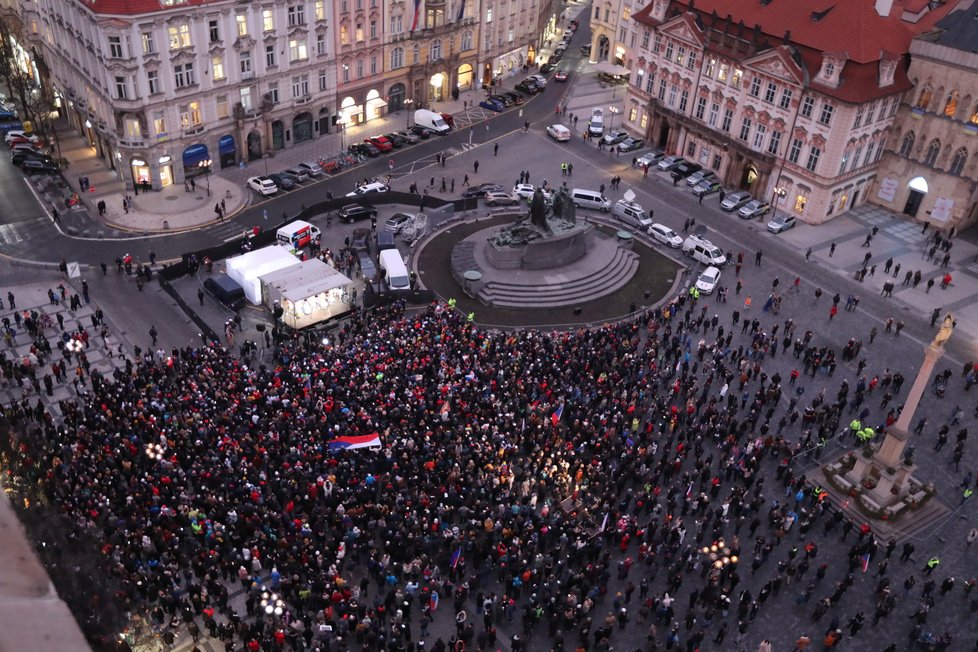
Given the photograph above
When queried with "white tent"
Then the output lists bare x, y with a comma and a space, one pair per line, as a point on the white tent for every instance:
308, 293
247, 268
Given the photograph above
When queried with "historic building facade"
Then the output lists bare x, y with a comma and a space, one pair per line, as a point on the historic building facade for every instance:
930, 168
794, 106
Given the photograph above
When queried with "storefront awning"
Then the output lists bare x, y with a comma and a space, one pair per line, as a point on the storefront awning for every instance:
194, 155
226, 145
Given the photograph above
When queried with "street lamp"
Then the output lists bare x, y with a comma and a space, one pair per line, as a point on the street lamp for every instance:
407, 113
205, 165
779, 194
614, 110
341, 122
272, 604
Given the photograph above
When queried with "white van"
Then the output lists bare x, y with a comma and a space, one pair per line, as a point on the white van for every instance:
704, 251
395, 273
431, 121
298, 234
591, 199
596, 126
632, 214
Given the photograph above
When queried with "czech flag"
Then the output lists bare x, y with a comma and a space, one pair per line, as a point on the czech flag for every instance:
355, 441
555, 417
456, 556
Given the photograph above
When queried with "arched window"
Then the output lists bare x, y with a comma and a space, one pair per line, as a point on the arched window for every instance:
951, 106
933, 151
906, 147
466, 41
974, 116
397, 58
925, 95
957, 163
436, 49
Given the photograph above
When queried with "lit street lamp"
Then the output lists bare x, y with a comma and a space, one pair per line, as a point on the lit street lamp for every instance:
614, 110
272, 604
407, 112
205, 165
779, 194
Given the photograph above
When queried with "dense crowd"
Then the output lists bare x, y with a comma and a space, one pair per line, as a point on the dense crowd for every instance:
527, 478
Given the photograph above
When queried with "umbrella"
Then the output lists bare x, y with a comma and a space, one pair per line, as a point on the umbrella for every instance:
609, 68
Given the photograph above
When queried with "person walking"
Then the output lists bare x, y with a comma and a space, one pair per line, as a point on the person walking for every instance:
153, 334
757, 258
495, 149
475, 167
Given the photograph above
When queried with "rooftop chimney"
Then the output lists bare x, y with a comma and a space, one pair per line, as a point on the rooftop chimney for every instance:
883, 7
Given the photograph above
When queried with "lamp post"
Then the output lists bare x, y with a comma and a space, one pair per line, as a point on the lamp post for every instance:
272, 604
407, 112
614, 110
718, 559
205, 165
779, 194
341, 123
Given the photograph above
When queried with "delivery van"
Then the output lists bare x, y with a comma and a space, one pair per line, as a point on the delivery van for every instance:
431, 121
297, 235
395, 273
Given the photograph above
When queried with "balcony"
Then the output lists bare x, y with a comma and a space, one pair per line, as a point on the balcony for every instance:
302, 100
248, 74
132, 143
194, 130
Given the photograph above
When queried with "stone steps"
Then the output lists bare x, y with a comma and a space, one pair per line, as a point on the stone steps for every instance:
613, 275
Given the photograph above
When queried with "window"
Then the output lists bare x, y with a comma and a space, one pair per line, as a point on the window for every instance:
724, 70
859, 117
727, 120
759, 136
179, 36
149, 47
795, 152
246, 102
714, 114
273, 92
755, 87
785, 98
637, 80
416, 53
297, 49
957, 163
466, 41
436, 49
397, 24
662, 89
373, 64
673, 89
373, 29
346, 73
217, 67
681, 56
269, 56
359, 32
184, 75
807, 106
650, 83
300, 85
770, 92
843, 162
159, 124
133, 128
933, 150
669, 51
710, 68
950, 106
700, 108
121, 90
241, 20
632, 114
923, 100
974, 116
882, 111
737, 77
297, 15
153, 81
825, 117
813, 155
691, 60
213, 32
683, 100
267, 20
800, 202
115, 47
323, 80
657, 44
774, 143
344, 35
645, 39
222, 107
397, 58
320, 10
344, 6
320, 44
856, 156
360, 68
244, 62
489, 14
190, 115
745, 129
906, 147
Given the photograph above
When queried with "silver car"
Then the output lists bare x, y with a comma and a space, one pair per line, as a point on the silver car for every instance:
735, 200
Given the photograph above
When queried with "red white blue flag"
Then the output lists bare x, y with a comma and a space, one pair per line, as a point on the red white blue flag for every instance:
417, 14
352, 442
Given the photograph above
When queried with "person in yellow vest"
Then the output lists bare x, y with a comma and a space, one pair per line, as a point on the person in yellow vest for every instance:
931, 564
855, 426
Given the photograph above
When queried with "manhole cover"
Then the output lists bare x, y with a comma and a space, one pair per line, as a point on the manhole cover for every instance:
171, 198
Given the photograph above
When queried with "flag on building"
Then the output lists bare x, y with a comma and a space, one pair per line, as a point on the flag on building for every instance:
414, 26
352, 442
461, 11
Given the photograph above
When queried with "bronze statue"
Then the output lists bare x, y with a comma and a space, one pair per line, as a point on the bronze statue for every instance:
563, 206
943, 335
538, 210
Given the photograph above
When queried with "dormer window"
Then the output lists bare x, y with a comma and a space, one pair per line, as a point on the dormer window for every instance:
831, 69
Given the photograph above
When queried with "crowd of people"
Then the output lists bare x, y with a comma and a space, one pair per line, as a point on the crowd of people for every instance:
557, 486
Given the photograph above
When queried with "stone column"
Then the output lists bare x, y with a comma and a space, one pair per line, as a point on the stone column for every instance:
891, 450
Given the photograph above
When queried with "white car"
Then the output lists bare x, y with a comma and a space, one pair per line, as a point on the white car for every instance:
398, 221
500, 198
669, 163
707, 282
735, 200
754, 208
695, 178
781, 223
526, 190
366, 188
665, 235
19, 133
262, 185
560, 133
649, 158
539, 80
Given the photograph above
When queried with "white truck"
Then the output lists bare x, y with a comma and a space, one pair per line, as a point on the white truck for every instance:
431, 121
596, 126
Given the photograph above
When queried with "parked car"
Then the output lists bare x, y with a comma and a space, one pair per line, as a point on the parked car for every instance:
17, 133
380, 143
696, 177
492, 105
561, 75
515, 97
631, 144
481, 190
735, 200
410, 137
367, 188
366, 148
368, 270
397, 140
670, 163
500, 198
262, 185
707, 187
18, 158
301, 175
421, 132
707, 282
687, 168
650, 158
754, 208
539, 80
550, 65
398, 221
282, 181
781, 223
528, 87
614, 138
665, 235
502, 98
311, 167
38, 166
360, 240
586, 50
353, 212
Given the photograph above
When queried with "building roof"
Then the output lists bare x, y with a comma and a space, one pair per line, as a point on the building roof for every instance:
850, 26
137, 7
959, 29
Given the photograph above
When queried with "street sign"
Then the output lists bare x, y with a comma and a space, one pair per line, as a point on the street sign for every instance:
73, 270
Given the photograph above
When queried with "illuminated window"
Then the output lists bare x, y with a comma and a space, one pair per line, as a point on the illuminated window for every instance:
951, 106
217, 66
800, 202
179, 36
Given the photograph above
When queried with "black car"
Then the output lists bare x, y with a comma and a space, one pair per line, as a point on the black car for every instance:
481, 190
365, 148
36, 166
282, 182
353, 212
396, 139
686, 168
527, 87
516, 97
507, 101
18, 158
547, 67
360, 240
554, 59
421, 132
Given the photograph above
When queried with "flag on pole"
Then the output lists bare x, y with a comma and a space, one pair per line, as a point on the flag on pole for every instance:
865, 559
414, 26
352, 442
461, 10
455, 557
555, 417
